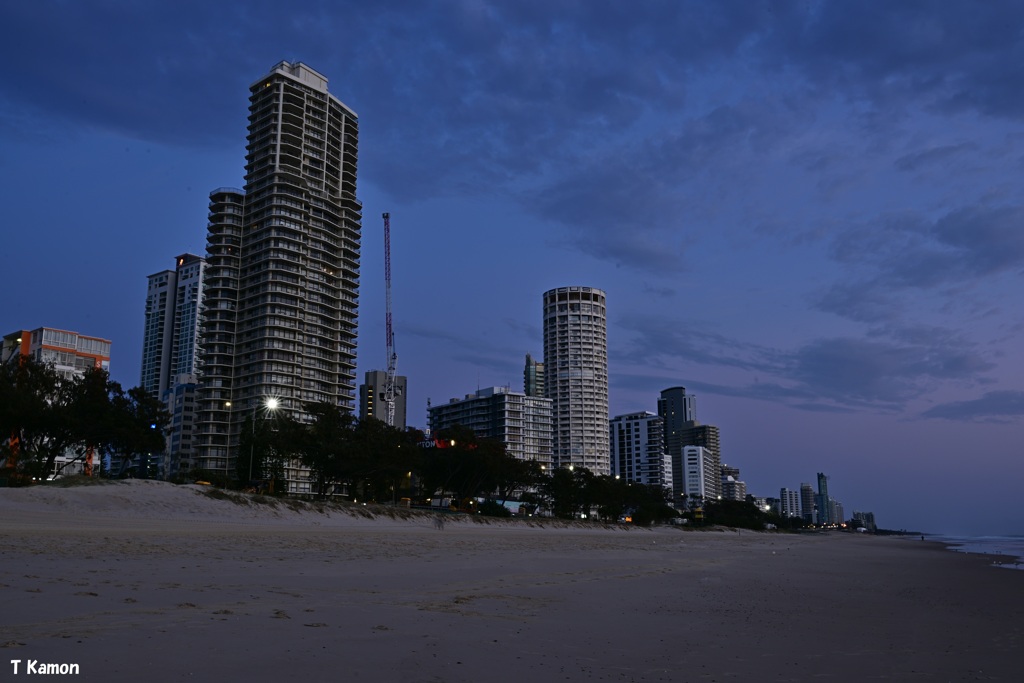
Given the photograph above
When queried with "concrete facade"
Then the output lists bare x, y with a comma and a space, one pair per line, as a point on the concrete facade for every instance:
521, 422
371, 397
576, 376
282, 299
638, 450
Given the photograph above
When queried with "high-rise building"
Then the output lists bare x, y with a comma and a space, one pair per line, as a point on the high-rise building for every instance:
790, 502
170, 352
170, 337
732, 487
866, 519
283, 260
638, 450
371, 397
679, 411
808, 510
576, 376
700, 474
822, 501
533, 377
521, 422
676, 408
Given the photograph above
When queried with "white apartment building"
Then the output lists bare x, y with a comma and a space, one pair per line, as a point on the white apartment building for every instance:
789, 500
283, 258
521, 422
700, 473
576, 376
638, 450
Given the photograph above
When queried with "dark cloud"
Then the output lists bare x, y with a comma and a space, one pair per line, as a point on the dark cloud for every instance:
941, 155
575, 109
833, 374
665, 340
634, 204
905, 252
994, 406
954, 55
869, 302
875, 373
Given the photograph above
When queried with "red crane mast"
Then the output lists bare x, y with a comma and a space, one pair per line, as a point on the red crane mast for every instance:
389, 383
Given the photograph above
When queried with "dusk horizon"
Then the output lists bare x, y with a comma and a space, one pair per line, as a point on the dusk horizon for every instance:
805, 214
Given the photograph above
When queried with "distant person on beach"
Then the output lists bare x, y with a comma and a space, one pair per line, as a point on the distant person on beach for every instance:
439, 522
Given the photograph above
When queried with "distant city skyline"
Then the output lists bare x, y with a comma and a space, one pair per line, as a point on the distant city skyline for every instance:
806, 214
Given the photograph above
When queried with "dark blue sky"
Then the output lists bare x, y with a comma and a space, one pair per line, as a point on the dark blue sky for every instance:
807, 213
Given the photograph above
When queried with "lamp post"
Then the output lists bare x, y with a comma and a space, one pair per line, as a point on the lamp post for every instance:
269, 406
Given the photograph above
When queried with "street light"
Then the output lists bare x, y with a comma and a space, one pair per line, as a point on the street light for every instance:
269, 406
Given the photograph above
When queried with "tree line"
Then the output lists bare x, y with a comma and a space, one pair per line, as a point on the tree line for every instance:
370, 461
45, 414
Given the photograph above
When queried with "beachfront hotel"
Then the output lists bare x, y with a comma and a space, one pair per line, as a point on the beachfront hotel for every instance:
576, 376
280, 315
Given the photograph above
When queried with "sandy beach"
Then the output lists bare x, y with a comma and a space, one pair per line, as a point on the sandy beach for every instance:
148, 581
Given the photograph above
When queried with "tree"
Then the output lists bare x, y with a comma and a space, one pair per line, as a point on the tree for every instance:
326, 445
32, 416
569, 492
384, 458
88, 416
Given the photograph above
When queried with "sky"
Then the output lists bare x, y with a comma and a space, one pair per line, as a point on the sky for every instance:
807, 213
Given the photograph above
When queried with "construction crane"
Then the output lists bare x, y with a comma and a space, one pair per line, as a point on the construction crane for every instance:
389, 382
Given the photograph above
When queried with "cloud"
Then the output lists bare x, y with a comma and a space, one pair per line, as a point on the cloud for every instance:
940, 155
869, 302
902, 254
994, 406
861, 372
956, 56
883, 373
661, 339
633, 129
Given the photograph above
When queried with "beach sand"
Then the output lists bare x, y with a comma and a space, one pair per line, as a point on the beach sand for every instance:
148, 581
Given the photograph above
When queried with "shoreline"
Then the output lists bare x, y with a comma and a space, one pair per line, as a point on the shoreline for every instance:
170, 586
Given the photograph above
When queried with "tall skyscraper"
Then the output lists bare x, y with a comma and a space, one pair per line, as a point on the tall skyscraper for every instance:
679, 411
676, 408
284, 266
638, 450
807, 507
171, 334
576, 376
533, 377
371, 397
822, 501
170, 352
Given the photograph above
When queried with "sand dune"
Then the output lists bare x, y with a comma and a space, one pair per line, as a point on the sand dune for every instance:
147, 580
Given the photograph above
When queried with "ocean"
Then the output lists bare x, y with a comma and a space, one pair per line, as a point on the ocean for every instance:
1012, 546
